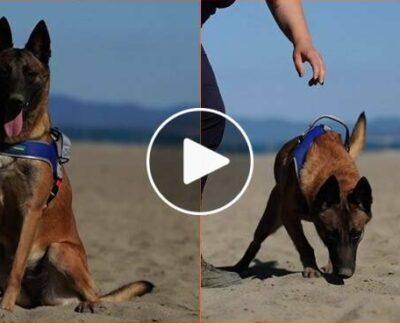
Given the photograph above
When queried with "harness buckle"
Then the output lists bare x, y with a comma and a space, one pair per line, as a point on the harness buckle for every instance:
63, 145
54, 190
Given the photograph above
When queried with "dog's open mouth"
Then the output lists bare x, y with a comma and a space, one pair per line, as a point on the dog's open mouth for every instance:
13, 124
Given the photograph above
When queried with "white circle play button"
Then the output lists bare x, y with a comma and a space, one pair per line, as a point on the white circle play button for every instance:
195, 174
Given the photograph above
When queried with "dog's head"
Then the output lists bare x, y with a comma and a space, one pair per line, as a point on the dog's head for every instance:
340, 221
24, 79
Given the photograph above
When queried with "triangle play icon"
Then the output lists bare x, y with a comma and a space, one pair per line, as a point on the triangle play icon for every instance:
199, 161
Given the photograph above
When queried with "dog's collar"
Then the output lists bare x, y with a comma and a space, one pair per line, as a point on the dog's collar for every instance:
55, 153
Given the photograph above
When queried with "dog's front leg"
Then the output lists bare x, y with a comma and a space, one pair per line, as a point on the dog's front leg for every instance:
295, 230
328, 268
28, 230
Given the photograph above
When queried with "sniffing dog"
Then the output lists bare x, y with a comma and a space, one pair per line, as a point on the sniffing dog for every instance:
42, 258
329, 193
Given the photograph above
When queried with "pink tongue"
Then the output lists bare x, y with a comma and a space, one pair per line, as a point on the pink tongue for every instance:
13, 128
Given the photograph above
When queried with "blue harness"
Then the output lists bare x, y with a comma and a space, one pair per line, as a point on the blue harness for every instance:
307, 139
54, 154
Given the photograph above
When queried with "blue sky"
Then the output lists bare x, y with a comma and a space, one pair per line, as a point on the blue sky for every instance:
145, 53
360, 43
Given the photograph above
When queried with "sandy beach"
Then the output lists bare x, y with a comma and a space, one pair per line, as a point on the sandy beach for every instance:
129, 234
275, 289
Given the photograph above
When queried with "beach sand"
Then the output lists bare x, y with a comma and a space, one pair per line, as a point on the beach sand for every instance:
129, 234
275, 288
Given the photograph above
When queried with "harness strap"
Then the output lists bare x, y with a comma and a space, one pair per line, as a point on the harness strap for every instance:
306, 140
54, 190
54, 154
33, 149
336, 119
304, 145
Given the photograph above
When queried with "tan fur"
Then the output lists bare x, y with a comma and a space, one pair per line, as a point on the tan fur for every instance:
127, 292
327, 157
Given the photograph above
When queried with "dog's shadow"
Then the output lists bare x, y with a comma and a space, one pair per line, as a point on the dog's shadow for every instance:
333, 279
264, 270
261, 270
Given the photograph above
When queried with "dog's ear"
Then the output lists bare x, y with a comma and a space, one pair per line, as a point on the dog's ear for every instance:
357, 139
5, 34
361, 196
39, 43
328, 195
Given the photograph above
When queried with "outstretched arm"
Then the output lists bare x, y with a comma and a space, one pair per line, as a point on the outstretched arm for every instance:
290, 17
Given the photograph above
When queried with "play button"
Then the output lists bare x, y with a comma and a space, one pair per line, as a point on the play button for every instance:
199, 161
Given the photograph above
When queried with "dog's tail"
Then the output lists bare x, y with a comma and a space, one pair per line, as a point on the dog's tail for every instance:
358, 136
128, 291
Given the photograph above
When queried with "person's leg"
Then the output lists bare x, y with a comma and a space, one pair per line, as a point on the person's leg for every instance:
212, 130
212, 125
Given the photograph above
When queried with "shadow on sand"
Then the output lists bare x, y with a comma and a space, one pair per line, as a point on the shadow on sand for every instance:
264, 270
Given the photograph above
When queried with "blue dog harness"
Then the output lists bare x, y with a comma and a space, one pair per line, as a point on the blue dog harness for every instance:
307, 139
54, 154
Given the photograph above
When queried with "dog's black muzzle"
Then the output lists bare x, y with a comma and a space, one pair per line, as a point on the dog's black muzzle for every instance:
15, 103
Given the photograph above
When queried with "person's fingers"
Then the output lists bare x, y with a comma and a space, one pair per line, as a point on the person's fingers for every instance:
319, 74
315, 64
312, 82
323, 71
298, 63
319, 69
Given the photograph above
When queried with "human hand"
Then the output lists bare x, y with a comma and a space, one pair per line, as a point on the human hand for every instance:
304, 51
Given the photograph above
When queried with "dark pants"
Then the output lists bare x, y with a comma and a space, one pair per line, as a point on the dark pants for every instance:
212, 125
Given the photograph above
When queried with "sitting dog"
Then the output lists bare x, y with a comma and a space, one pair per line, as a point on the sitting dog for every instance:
42, 259
317, 180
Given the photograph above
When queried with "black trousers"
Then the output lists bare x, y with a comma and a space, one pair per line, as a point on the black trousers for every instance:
212, 125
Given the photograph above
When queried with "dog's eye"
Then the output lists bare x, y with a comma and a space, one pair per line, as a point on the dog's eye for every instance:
4, 72
355, 235
30, 75
333, 235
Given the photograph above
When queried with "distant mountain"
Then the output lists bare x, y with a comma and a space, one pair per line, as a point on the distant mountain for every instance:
270, 134
134, 123
97, 121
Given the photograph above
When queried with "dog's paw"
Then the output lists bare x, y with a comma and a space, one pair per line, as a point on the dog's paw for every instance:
90, 307
327, 269
310, 272
6, 305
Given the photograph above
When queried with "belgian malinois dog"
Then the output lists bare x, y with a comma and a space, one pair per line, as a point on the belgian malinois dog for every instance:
330, 194
42, 259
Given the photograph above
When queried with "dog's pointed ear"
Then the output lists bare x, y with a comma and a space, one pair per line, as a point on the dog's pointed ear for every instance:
358, 136
39, 43
361, 196
5, 34
328, 195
